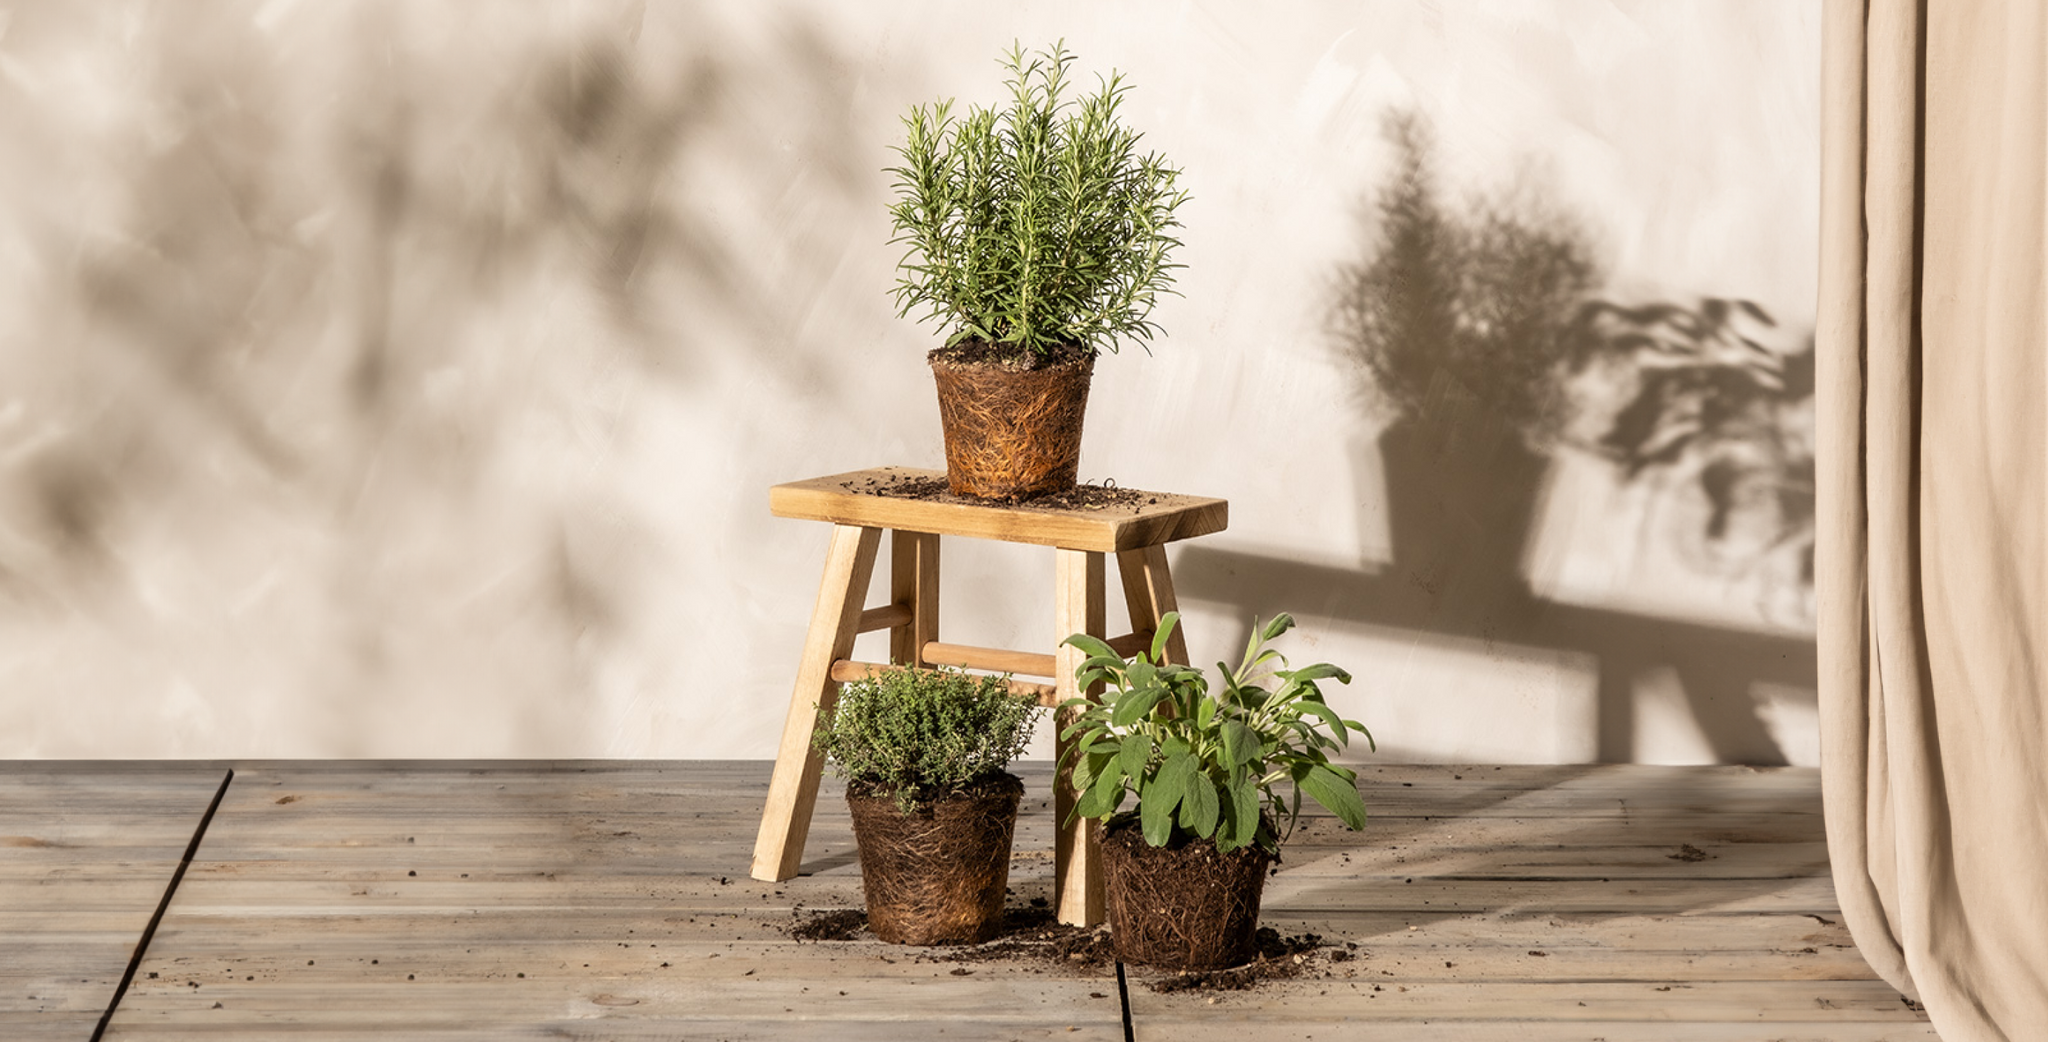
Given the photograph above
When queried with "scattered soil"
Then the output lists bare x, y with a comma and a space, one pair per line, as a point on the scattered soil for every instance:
1280, 958
1689, 853
1104, 496
837, 924
1031, 936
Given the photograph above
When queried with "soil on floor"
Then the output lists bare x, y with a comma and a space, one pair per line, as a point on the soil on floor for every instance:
1032, 937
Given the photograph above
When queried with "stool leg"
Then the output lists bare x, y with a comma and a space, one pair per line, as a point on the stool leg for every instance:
1148, 590
914, 582
835, 621
1077, 859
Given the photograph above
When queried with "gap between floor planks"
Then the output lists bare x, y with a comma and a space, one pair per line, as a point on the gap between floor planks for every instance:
86, 850
320, 872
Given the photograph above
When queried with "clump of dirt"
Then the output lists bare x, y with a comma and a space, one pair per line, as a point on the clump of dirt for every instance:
1279, 958
1689, 853
835, 924
1033, 937
1105, 496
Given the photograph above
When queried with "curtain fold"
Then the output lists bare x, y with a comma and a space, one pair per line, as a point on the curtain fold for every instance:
1932, 557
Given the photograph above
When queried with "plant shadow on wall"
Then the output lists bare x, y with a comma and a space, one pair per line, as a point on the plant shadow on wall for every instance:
354, 303
1482, 334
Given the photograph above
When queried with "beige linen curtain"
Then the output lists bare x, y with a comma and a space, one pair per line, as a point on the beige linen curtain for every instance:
1933, 485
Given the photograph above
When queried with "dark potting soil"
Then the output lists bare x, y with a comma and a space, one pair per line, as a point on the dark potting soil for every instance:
1105, 496
1032, 936
999, 356
834, 924
1279, 958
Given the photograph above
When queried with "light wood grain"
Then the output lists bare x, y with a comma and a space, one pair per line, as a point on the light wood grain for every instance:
914, 583
1148, 593
848, 669
994, 660
884, 617
1164, 517
86, 850
1087, 1024
588, 877
1078, 607
835, 620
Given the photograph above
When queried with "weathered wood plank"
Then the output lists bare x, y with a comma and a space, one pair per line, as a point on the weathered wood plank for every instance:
86, 850
359, 949
1088, 1024
588, 879
935, 996
20, 1026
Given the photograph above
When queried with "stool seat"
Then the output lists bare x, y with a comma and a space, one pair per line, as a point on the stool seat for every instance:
863, 497
913, 505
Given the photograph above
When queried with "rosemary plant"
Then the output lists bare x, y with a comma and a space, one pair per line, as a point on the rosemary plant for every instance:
1037, 225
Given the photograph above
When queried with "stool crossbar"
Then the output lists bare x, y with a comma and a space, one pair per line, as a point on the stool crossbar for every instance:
860, 509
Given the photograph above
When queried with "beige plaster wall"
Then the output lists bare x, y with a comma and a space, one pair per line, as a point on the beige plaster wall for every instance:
405, 379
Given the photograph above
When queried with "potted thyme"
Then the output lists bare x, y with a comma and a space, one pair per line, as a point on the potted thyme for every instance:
1183, 871
923, 752
1038, 235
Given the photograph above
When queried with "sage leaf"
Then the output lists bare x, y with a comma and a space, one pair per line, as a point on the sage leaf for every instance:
1199, 807
1335, 792
1134, 754
1092, 646
1240, 743
1158, 800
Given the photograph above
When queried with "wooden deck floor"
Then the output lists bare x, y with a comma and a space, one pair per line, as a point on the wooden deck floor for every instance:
609, 900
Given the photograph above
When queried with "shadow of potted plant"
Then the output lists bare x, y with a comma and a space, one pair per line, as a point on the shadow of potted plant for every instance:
1039, 236
923, 753
1183, 872
1460, 323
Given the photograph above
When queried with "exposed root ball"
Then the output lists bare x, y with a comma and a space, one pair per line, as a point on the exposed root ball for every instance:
937, 876
1012, 434
1182, 907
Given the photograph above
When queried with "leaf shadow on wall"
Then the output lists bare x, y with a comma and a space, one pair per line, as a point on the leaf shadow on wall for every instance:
312, 392
1480, 332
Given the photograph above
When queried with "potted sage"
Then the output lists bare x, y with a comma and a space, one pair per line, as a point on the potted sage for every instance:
923, 752
1037, 235
1184, 869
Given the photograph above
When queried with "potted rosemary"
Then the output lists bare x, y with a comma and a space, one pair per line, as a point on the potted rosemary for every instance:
1038, 235
1184, 870
923, 752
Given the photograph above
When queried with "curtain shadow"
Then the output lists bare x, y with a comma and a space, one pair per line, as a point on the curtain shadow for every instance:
1481, 349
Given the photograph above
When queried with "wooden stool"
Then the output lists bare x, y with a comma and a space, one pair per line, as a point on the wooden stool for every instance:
854, 504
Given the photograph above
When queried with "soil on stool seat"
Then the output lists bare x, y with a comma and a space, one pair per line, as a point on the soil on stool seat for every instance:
1104, 497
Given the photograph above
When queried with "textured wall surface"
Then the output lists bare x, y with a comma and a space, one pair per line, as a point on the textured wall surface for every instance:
405, 379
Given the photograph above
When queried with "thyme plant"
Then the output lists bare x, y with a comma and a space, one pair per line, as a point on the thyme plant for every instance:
1036, 225
1209, 766
921, 735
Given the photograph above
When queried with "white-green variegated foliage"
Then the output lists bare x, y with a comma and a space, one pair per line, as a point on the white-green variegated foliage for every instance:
1208, 765
1037, 224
